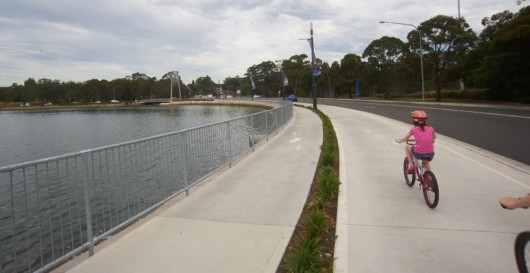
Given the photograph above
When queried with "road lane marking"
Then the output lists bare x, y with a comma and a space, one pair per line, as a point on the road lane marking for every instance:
454, 110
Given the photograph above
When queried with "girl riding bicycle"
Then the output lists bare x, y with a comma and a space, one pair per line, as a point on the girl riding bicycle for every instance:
424, 136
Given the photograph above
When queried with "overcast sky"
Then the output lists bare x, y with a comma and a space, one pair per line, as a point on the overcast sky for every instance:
79, 40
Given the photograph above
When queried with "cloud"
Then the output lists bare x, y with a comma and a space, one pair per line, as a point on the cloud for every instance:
83, 40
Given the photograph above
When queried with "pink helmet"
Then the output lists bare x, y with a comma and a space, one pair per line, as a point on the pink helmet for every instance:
419, 116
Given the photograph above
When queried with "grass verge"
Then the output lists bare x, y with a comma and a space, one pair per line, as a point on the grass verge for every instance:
312, 244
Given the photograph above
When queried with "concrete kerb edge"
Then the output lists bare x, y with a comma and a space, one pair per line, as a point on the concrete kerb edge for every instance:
340, 263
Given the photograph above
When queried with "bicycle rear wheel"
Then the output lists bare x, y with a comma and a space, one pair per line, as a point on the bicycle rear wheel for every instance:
409, 178
522, 251
430, 189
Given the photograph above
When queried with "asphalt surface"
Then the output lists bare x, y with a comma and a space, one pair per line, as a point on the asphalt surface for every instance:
500, 128
242, 220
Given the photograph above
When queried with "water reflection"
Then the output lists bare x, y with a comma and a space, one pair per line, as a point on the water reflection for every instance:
31, 135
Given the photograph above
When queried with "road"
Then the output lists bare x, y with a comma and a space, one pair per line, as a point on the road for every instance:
500, 129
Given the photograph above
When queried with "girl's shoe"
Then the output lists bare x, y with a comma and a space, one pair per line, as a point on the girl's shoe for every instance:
410, 170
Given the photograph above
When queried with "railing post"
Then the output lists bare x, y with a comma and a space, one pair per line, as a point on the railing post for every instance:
251, 133
267, 125
229, 144
88, 211
186, 162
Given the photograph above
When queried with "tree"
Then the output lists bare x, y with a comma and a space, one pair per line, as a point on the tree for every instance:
11, 93
506, 61
298, 70
206, 85
265, 77
334, 78
475, 58
29, 92
494, 24
231, 85
444, 41
140, 85
323, 81
49, 90
351, 66
382, 54
119, 89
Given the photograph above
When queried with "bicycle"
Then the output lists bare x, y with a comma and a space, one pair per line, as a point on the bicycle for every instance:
426, 179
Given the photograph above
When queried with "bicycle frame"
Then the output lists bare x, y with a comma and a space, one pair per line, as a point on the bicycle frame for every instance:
419, 168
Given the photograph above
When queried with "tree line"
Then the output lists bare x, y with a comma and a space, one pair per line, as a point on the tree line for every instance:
495, 62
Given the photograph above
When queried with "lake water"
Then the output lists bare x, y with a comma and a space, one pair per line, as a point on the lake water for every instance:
32, 135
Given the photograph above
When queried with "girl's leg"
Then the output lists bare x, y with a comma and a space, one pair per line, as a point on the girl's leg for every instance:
409, 154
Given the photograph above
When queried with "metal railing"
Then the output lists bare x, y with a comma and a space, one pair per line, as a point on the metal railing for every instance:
56, 208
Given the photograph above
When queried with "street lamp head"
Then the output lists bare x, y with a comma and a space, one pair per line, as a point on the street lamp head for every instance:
382, 22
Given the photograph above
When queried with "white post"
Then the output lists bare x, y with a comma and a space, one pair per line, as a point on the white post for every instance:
171, 89
178, 82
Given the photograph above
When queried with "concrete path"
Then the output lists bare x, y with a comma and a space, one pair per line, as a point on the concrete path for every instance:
385, 226
241, 221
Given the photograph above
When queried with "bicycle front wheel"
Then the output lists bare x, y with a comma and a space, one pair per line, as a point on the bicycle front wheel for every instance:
409, 178
522, 251
430, 189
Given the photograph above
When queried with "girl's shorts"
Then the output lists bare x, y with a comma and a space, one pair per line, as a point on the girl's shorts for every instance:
427, 157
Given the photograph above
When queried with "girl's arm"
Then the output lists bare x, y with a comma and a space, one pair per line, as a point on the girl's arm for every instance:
405, 138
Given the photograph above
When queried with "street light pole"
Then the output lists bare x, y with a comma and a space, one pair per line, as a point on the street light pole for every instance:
171, 88
282, 75
178, 82
458, 9
313, 66
421, 54
313, 62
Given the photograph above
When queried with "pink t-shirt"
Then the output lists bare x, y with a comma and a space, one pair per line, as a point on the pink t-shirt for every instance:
424, 139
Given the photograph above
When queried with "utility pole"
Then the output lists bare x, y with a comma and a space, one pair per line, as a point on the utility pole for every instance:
313, 65
458, 9
171, 88
178, 82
